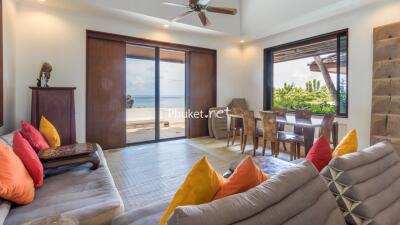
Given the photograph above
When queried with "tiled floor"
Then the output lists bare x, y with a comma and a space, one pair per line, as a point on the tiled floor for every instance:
150, 174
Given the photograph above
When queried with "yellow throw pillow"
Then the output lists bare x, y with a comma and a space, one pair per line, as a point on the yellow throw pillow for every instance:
199, 187
49, 132
349, 144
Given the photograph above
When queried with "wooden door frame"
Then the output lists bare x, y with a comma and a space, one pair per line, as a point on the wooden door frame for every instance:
161, 45
145, 42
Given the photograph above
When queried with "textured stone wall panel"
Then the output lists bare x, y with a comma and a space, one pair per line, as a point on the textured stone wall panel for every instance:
385, 115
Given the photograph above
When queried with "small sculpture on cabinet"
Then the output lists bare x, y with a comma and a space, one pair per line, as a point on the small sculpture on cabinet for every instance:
44, 75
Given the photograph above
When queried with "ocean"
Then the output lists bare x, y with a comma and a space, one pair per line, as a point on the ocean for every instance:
165, 101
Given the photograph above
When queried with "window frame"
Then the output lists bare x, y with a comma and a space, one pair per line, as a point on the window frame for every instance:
268, 81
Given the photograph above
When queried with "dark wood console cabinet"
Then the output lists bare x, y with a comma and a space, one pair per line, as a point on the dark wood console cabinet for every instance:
57, 105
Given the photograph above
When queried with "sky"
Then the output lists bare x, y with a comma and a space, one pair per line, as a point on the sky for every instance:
297, 72
140, 78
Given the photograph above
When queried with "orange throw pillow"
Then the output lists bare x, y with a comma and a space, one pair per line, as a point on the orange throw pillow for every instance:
16, 185
246, 176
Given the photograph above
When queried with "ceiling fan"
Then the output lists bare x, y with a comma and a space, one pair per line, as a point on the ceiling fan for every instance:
200, 7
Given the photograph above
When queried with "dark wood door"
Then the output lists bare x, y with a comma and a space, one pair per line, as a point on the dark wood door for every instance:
105, 100
203, 89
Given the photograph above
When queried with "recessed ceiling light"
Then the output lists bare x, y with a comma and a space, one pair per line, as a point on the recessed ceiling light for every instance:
42, 0
242, 41
166, 25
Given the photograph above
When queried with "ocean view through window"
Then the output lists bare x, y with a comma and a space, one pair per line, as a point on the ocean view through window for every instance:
151, 97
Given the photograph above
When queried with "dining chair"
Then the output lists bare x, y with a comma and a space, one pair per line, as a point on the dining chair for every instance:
281, 127
236, 125
327, 126
250, 130
301, 116
271, 133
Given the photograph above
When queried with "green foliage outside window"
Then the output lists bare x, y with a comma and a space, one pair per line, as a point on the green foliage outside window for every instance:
315, 98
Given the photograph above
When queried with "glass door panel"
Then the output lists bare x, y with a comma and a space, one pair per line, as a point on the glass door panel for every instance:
172, 94
140, 94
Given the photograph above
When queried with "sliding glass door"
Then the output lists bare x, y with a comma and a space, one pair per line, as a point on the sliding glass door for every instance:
172, 94
140, 94
155, 94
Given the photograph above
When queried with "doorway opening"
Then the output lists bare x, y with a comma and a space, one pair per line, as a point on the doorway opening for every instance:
155, 94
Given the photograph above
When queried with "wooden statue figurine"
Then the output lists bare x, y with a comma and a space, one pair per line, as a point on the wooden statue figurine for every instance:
44, 75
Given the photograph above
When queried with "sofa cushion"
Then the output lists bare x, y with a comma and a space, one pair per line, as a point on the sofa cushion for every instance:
348, 144
89, 196
49, 132
34, 137
295, 196
321, 153
246, 176
16, 184
199, 187
367, 185
29, 158
149, 215
4, 209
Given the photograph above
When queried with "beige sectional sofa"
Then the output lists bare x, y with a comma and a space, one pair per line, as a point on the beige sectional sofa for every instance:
366, 185
298, 196
357, 189
87, 196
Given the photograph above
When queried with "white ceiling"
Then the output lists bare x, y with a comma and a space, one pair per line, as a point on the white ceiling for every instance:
256, 18
261, 18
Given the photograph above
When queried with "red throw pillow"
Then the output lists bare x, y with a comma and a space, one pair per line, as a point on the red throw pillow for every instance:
29, 158
246, 176
320, 154
34, 137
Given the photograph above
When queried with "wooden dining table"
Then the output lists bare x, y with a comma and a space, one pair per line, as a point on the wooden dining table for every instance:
308, 125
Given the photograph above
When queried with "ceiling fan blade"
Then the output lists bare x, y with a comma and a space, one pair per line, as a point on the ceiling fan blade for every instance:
204, 2
222, 10
203, 18
175, 4
181, 16
193, 2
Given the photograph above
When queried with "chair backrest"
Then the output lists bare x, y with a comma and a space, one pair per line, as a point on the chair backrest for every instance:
327, 124
269, 125
238, 103
237, 111
280, 113
302, 116
237, 123
249, 123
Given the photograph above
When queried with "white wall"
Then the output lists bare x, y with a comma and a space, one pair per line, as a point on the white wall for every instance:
58, 37
9, 35
360, 24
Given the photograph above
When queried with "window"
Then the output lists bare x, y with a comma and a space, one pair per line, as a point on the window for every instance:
310, 75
